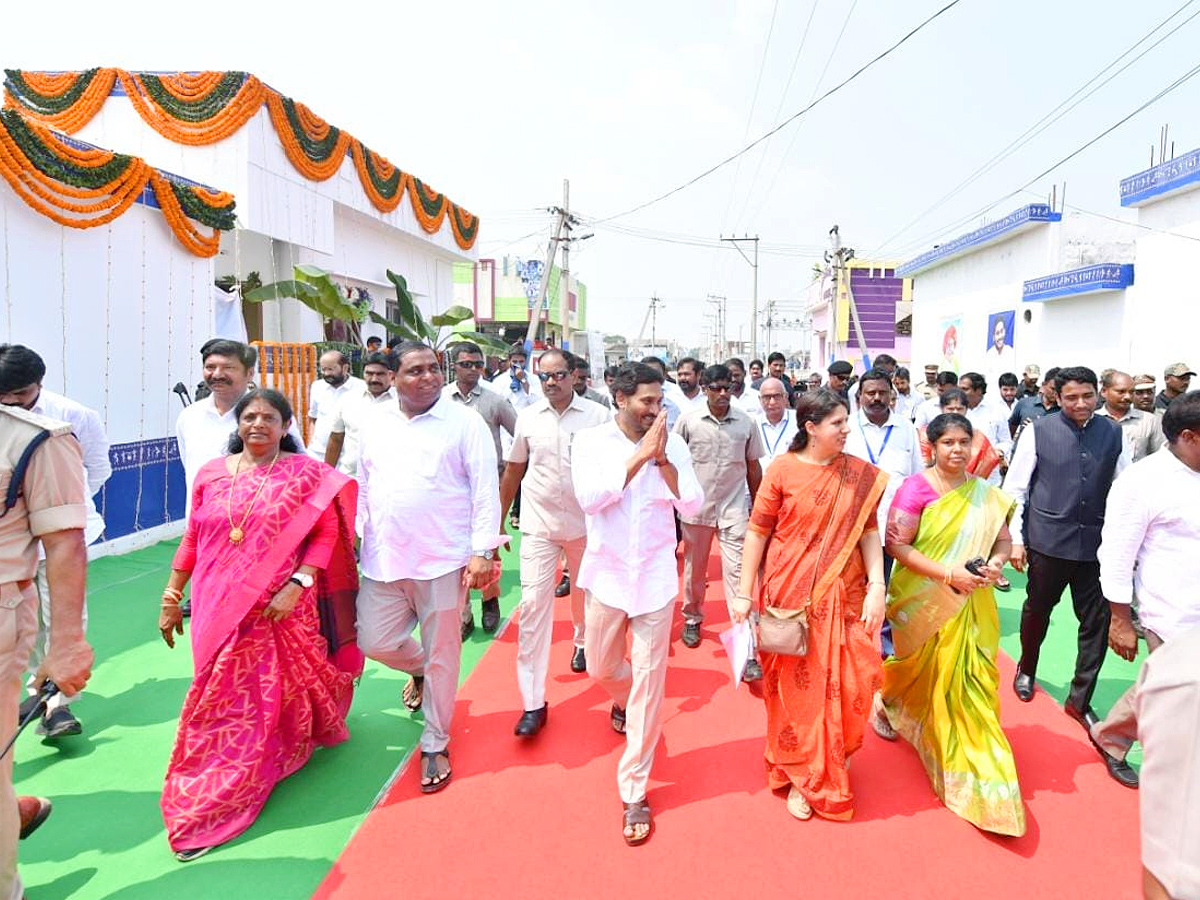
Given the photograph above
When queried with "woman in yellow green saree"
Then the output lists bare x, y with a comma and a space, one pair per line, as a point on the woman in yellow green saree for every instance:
941, 689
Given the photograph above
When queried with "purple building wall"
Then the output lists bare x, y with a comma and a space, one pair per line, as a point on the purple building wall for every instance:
876, 293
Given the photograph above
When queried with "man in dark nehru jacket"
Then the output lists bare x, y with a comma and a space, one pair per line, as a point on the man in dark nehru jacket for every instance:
1060, 479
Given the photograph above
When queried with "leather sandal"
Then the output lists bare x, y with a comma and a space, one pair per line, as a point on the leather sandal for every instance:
429, 769
637, 814
616, 718
414, 691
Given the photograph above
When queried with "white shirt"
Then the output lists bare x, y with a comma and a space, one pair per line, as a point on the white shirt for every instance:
629, 563
748, 402
986, 418
348, 420
892, 447
927, 411
905, 406
429, 492
776, 438
323, 400
1150, 544
93, 443
1020, 473
202, 434
544, 442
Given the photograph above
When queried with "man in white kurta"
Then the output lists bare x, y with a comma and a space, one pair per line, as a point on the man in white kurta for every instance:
630, 476
325, 394
552, 525
430, 507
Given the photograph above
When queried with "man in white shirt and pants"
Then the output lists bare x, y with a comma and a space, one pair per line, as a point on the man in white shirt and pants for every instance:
29, 368
630, 475
552, 525
430, 506
986, 418
324, 396
378, 395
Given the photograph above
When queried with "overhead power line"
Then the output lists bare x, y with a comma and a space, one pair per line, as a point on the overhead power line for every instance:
829, 93
1052, 116
1174, 85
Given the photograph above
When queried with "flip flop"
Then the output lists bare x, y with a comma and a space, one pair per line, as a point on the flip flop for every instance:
429, 769
413, 693
637, 814
798, 806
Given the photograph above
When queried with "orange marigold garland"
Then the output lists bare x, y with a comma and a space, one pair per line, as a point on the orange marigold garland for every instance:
428, 205
202, 118
464, 225
66, 101
313, 146
382, 182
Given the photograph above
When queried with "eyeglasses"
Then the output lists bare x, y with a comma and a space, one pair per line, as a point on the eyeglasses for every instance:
469, 363
557, 376
718, 388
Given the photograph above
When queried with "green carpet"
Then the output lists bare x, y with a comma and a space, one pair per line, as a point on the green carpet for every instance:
105, 838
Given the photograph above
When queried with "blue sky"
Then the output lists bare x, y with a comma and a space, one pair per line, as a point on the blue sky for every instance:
496, 103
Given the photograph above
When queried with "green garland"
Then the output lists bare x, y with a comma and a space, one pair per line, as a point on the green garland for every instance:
194, 111
465, 223
317, 151
54, 166
387, 187
195, 207
433, 203
44, 104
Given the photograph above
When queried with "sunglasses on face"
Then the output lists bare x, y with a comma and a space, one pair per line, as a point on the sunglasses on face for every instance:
718, 388
469, 364
557, 376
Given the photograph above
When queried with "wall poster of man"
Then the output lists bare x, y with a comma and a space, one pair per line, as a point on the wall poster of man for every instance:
1000, 355
951, 334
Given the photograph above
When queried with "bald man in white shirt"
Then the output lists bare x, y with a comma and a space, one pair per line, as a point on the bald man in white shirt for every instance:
630, 476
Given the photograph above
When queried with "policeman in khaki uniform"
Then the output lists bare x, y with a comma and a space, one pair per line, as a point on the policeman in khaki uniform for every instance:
47, 504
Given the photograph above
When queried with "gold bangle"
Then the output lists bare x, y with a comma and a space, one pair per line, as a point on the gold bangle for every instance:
172, 593
949, 574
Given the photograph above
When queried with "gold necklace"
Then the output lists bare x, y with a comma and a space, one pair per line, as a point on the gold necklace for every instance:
238, 532
942, 482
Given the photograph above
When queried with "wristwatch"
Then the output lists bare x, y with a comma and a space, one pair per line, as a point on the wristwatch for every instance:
305, 581
486, 554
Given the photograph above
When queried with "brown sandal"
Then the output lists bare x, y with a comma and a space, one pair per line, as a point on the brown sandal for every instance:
616, 718
429, 769
414, 691
637, 814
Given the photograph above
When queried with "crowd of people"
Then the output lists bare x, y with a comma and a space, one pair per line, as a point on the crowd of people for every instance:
862, 524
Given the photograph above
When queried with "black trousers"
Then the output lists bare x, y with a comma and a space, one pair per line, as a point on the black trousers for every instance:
1049, 576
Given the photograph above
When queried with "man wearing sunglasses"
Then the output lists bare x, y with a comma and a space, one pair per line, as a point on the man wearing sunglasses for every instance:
466, 359
552, 525
725, 449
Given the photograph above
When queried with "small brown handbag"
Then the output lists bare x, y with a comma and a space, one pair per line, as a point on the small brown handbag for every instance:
785, 631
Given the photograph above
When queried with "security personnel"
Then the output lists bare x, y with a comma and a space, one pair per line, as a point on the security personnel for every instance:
42, 497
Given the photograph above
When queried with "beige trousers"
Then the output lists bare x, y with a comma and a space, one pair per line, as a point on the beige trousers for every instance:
698, 545
1119, 729
389, 611
637, 684
18, 629
539, 578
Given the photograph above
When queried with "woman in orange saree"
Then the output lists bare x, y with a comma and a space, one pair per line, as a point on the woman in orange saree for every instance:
269, 549
983, 458
815, 518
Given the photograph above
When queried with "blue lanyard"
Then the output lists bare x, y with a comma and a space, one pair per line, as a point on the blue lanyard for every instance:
782, 431
887, 436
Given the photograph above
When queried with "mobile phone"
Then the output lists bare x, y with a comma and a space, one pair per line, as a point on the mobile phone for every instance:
975, 566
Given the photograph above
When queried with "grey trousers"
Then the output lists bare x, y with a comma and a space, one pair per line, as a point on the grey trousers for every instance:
389, 611
698, 542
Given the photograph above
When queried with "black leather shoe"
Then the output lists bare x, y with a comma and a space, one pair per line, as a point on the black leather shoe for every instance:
491, 616
564, 586
691, 634
1087, 718
1122, 772
578, 660
1023, 686
468, 627
532, 721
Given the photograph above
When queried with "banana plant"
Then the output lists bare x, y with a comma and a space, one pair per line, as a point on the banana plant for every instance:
412, 324
314, 288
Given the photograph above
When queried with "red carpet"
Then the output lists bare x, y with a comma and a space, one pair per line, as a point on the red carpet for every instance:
541, 819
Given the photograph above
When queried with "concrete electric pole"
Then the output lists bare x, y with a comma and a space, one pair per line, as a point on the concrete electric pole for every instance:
737, 242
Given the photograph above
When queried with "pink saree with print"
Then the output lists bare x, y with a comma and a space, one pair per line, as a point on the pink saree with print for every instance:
265, 693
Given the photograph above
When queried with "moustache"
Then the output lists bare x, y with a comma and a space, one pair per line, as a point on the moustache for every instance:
212, 381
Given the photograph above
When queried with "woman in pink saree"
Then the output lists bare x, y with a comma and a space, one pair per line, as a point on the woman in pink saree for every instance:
269, 549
